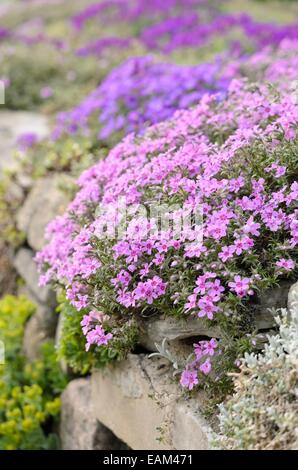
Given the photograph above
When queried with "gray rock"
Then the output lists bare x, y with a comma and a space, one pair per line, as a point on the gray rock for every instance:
7, 272
12, 125
45, 201
293, 297
274, 298
79, 428
40, 328
26, 267
155, 329
149, 409
63, 364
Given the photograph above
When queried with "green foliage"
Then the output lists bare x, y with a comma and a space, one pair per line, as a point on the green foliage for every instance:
72, 341
14, 312
253, 419
11, 197
64, 155
50, 68
29, 392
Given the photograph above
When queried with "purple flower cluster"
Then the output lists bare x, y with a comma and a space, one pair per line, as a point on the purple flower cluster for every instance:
170, 25
187, 31
114, 11
98, 46
4, 33
141, 92
27, 140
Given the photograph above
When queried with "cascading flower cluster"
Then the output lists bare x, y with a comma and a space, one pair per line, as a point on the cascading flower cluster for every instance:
93, 329
228, 170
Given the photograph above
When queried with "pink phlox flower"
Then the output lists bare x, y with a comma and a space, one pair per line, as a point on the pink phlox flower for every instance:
286, 264
241, 286
189, 378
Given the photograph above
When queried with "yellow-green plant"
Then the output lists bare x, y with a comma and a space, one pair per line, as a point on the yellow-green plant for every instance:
29, 392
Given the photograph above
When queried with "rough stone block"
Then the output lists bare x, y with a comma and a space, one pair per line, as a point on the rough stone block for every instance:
44, 202
26, 267
148, 410
79, 428
154, 330
274, 298
40, 328
293, 297
12, 125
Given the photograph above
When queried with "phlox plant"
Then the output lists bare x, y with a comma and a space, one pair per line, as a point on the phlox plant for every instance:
233, 161
138, 93
171, 25
144, 91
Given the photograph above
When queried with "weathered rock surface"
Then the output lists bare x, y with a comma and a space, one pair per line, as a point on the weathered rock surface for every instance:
148, 410
40, 328
154, 330
58, 335
293, 297
45, 201
26, 267
274, 298
79, 428
7, 271
12, 125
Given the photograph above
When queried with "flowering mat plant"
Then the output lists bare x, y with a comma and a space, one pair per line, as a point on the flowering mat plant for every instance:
231, 160
178, 122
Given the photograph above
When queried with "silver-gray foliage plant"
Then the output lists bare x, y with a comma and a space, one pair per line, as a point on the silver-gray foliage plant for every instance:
263, 412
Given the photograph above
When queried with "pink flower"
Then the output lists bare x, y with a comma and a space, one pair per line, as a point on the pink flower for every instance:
241, 286
227, 252
97, 337
287, 264
192, 302
122, 278
209, 347
145, 270
198, 349
189, 378
46, 92
207, 308
277, 169
252, 227
206, 367
215, 289
243, 244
